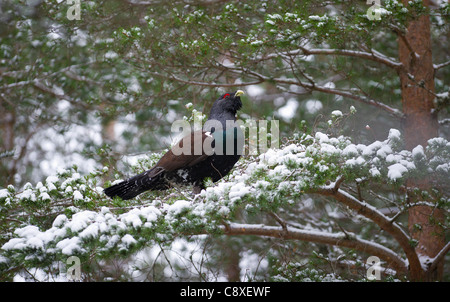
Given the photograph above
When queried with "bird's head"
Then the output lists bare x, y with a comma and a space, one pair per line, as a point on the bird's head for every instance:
229, 102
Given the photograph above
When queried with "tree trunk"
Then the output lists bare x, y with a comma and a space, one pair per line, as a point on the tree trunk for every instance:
417, 83
420, 124
7, 123
232, 268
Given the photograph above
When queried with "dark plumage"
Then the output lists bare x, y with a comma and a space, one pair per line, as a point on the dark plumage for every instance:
221, 146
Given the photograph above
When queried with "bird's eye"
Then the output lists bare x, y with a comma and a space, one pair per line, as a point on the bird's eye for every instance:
226, 95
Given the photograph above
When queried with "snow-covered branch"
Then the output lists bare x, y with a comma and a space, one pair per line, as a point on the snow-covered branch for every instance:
439, 257
444, 121
376, 216
339, 239
373, 55
206, 84
442, 65
315, 87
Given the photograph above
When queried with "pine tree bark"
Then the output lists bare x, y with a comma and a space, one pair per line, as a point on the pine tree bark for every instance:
7, 135
420, 124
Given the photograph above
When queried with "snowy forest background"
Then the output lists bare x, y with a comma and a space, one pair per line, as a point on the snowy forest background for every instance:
361, 94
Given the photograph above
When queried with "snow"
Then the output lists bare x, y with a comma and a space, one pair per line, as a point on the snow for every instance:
443, 168
35, 243
45, 197
238, 191
80, 38
128, 240
396, 171
350, 150
318, 18
77, 196
336, 113
394, 135
91, 231
418, 152
329, 149
150, 213
27, 194
382, 11
371, 149
54, 36
14, 244
249, 262
111, 55
352, 162
313, 106
330, 85
384, 151
111, 241
59, 221
81, 220
178, 206
87, 225
255, 91
134, 85
275, 16
322, 138
443, 95
28, 231
374, 172
69, 246
30, 237
288, 111
4, 193
132, 218
68, 189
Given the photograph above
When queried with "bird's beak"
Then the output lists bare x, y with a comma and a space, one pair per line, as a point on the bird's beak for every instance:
239, 93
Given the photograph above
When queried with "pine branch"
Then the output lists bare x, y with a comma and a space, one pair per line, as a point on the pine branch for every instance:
439, 257
444, 121
342, 240
373, 55
377, 217
393, 111
442, 65
206, 84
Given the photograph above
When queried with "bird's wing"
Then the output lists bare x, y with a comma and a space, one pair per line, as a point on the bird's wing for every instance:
154, 171
190, 150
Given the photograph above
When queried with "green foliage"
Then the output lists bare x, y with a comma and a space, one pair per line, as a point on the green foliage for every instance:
297, 272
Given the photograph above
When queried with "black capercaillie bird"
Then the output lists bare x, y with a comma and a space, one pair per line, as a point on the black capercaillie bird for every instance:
208, 153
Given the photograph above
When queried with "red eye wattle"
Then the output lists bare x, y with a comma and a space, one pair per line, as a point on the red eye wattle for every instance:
226, 95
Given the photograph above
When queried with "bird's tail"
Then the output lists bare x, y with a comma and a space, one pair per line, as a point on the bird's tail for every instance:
134, 186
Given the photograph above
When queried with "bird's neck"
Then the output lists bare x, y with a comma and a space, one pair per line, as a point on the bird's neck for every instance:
223, 117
